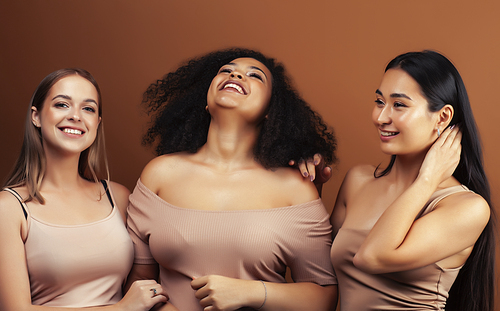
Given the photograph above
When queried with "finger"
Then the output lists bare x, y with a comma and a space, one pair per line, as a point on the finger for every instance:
198, 283
160, 298
451, 135
326, 174
311, 169
318, 159
303, 168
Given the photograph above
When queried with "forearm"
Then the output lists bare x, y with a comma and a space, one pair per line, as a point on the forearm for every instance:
295, 296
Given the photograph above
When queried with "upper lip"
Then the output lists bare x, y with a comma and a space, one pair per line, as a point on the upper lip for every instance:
245, 91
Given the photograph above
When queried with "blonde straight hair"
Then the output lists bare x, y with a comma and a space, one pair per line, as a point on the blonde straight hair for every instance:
30, 166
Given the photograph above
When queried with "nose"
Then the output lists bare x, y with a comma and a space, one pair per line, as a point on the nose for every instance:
383, 115
236, 75
74, 115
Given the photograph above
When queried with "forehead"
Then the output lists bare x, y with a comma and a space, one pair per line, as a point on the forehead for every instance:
73, 86
398, 81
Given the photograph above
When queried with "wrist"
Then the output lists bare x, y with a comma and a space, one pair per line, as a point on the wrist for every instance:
258, 297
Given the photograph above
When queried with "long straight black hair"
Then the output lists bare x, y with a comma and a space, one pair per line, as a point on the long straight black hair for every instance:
441, 84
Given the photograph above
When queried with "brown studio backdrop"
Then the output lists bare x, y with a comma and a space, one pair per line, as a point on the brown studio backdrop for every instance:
335, 51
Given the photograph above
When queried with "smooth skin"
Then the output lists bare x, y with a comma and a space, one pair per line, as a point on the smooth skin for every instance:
70, 199
388, 206
226, 176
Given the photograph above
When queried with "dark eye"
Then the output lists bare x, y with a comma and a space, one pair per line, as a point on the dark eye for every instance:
379, 102
60, 105
89, 109
256, 75
399, 104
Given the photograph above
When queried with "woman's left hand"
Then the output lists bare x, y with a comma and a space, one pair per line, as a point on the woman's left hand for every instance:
443, 157
222, 293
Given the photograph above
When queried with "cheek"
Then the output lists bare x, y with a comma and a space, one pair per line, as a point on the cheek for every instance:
211, 91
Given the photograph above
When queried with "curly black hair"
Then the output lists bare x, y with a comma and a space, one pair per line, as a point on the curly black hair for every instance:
292, 130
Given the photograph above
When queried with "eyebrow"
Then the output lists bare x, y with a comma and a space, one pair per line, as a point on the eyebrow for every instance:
394, 95
252, 67
88, 100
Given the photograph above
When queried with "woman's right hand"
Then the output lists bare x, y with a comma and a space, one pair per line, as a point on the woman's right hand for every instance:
443, 157
141, 296
314, 169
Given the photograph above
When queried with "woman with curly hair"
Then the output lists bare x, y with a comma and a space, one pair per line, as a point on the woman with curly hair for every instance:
219, 215
419, 234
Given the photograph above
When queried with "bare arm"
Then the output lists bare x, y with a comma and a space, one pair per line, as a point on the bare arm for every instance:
223, 293
397, 242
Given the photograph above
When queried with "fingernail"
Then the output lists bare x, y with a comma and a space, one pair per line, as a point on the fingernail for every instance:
311, 178
306, 174
452, 127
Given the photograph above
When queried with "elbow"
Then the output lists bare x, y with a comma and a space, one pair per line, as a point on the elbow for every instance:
368, 262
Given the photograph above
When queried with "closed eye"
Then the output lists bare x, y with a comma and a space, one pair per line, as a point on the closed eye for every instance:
256, 75
227, 70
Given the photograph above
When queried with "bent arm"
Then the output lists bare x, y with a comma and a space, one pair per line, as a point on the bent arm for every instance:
399, 242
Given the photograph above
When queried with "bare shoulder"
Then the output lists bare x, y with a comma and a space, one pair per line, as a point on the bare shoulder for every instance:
469, 206
162, 168
120, 194
357, 177
11, 211
295, 185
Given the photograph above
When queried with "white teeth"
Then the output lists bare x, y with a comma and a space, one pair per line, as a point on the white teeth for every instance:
234, 86
72, 131
388, 133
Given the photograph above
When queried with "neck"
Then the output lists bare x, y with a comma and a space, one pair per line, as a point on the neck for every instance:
230, 144
407, 167
61, 171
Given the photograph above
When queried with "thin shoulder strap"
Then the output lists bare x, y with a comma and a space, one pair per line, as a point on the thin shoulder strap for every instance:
18, 197
105, 184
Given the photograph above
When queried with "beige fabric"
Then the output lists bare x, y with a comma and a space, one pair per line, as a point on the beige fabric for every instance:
425, 288
78, 266
245, 244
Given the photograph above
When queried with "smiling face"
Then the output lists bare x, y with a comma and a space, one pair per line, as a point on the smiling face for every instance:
402, 116
69, 117
244, 84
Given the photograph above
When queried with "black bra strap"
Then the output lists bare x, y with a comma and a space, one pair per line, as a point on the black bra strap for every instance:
105, 184
18, 197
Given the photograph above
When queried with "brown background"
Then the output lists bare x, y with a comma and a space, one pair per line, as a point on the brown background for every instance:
335, 51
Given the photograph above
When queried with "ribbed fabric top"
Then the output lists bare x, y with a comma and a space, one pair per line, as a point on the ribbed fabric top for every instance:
424, 288
77, 265
246, 244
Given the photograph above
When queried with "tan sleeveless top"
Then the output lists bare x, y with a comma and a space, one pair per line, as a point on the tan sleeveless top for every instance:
424, 288
77, 265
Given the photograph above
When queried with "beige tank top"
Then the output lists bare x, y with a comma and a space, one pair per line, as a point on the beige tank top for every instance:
424, 288
77, 266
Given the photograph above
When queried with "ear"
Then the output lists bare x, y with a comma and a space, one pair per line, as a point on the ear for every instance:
35, 116
445, 115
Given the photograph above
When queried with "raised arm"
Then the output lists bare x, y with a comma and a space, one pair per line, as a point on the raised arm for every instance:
399, 242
